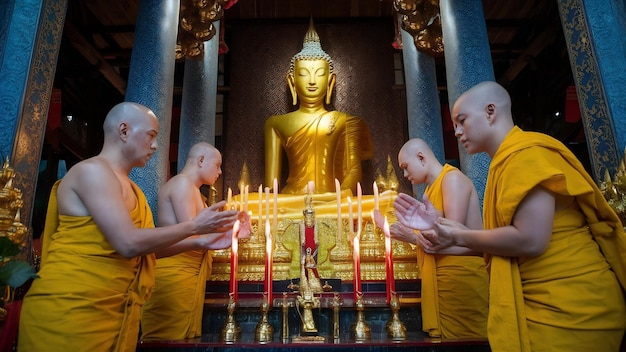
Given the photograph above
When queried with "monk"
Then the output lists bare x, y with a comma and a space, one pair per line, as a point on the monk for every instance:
554, 246
174, 311
454, 288
97, 261
321, 145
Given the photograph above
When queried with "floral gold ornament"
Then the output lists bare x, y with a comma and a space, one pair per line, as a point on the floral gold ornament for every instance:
14, 272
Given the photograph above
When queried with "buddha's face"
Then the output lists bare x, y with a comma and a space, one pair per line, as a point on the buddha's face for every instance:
311, 78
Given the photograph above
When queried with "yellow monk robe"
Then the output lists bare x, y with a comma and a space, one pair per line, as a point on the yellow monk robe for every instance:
309, 151
88, 297
568, 298
454, 288
174, 311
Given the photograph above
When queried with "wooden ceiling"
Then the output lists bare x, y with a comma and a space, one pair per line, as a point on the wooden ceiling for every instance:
525, 38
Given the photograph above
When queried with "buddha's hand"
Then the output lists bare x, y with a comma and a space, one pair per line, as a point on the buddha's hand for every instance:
415, 214
245, 228
213, 219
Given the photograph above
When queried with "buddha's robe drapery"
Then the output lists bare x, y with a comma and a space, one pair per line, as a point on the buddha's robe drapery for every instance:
327, 147
454, 288
569, 298
88, 297
174, 311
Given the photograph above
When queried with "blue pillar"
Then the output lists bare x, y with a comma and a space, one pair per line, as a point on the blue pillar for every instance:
595, 33
151, 83
197, 117
30, 37
468, 62
422, 100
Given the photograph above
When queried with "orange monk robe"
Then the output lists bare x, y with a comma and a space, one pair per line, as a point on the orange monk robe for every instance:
174, 311
454, 288
569, 298
88, 297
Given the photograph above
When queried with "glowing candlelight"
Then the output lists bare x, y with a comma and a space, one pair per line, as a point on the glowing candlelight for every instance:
359, 203
339, 220
269, 262
229, 199
275, 220
356, 252
260, 214
391, 282
234, 261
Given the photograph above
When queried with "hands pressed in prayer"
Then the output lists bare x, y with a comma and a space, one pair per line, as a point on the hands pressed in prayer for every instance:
415, 214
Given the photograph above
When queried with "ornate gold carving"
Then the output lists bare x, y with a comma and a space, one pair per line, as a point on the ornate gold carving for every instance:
422, 20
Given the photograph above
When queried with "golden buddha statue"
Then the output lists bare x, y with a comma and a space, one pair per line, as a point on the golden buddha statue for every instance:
321, 145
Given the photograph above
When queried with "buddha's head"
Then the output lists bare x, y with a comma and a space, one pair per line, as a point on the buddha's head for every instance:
311, 74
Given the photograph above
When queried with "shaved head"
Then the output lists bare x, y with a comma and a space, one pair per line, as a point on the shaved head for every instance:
485, 93
414, 146
128, 112
202, 149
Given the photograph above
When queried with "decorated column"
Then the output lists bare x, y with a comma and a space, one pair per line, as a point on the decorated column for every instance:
422, 100
594, 33
197, 119
30, 37
151, 83
468, 62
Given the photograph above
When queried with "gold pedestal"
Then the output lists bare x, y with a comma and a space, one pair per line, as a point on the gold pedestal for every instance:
264, 331
395, 328
360, 331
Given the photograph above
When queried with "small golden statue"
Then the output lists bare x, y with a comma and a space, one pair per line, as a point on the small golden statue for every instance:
614, 191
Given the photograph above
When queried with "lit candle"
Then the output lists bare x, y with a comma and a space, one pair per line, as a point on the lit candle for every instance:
339, 221
356, 252
269, 262
375, 186
359, 203
234, 261
391, 282
241, 196
229, 199
275, 221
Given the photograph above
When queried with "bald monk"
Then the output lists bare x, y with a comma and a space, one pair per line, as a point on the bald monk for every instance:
321, 145
174, 311
97, 261
554, 246
454, 288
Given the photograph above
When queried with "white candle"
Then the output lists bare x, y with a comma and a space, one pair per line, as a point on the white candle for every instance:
359, 202
339, 221
245, 204
234, 261
229, 199
260, 214
375, 186
275, 221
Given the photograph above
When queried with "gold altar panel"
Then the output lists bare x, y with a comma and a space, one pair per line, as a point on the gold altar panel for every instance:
334, 260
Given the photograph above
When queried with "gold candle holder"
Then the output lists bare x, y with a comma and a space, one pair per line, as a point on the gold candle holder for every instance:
264, 331
336, 306
231, 332
395, 328
360, 331
285, 332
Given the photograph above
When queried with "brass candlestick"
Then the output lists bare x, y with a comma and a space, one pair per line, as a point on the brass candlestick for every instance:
395, 328
285, 332
361, 331
231, 332
264, 332
336, 305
